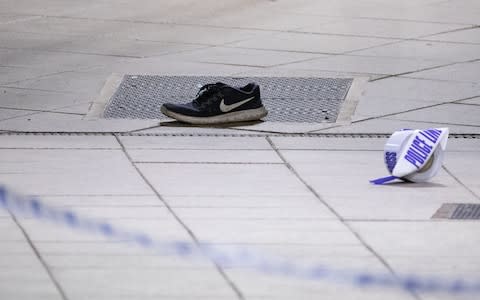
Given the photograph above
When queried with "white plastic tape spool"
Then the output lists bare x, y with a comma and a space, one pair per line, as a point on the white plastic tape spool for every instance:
414, 155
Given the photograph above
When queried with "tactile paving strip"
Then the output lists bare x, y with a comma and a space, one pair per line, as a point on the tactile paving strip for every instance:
288, 99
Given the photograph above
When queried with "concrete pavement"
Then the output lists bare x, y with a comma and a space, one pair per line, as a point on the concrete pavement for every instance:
306, 197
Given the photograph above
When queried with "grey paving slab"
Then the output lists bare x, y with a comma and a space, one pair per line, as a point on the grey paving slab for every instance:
460, 114
115, 262
90, 82
115, 46
75, 125
244, 57
38, 100
381, 28
466, 72
129, 212
256, 205
15, 247
88, 248
421, 90
285, 127
465, 167
79, 172
287, 71
387, 125
317, 211
10, 232
20, 261
178, 129
74, 201
165, 65
28, 62
28, 290
27, 274
6, 114
274, 232
464, 36
83, 284
475, 101
223, 179
365, 64
8, 19
56, 141
304, 42
261, 17
327, 143
379, 106
395, 241
204, 156
195, 142
426, 50
460, 145
35, 117
264, 287
160, 229
342, 180
252, 201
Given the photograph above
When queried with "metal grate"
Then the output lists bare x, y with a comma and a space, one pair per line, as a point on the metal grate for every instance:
462, 211
288, 99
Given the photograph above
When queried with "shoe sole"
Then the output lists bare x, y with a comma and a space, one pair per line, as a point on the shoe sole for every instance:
232, 117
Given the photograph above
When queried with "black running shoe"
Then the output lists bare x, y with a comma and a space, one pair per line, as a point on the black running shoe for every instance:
219, 103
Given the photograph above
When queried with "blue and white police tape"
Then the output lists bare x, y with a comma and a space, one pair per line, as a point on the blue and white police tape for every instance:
414, 155
232, 257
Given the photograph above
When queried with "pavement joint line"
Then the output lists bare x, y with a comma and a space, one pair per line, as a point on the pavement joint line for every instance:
234, 65
414, 109
385, 19
282, 50
38, 77
470, 27
145, 128
73, 52
39, 90
447, 42
350, 35
338, 216
189, 231
460, 103
438, 80
21, 116
40, 258
40, 110
430, 121
460, 182
425, 69
166, 22
376, 46
36, 112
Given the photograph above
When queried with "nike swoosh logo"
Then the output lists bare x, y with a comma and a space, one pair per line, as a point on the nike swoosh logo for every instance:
226, 108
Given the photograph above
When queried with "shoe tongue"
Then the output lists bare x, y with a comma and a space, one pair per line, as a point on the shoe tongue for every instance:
220, 84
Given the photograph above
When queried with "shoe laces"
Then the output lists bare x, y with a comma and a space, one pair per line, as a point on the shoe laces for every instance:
206, 91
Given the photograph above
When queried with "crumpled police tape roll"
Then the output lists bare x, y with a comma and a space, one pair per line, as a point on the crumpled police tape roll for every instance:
234, 256
414, 155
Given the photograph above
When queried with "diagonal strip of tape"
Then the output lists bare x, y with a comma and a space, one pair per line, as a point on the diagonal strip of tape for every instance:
233, 257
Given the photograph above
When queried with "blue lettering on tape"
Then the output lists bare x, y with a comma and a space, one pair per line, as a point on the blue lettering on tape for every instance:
390, 160
431, 134
420, 149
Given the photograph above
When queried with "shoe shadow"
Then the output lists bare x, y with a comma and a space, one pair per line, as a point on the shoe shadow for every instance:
415, 185
222, 125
